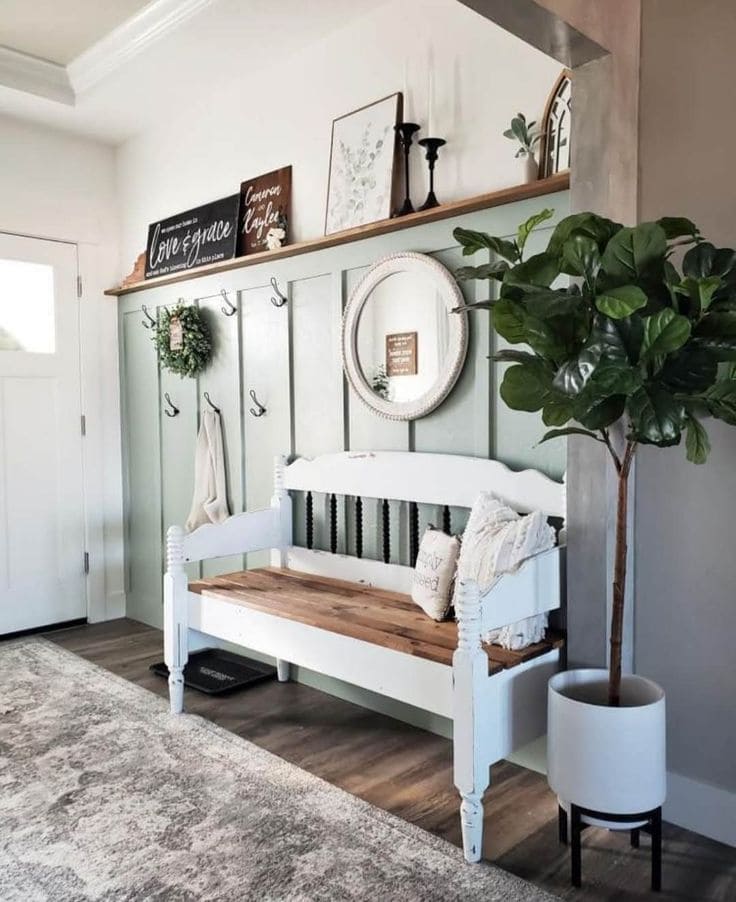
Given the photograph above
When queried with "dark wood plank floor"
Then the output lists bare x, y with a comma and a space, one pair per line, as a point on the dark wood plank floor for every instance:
408, 772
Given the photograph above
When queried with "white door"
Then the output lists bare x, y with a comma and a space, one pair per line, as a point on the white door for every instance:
42, 578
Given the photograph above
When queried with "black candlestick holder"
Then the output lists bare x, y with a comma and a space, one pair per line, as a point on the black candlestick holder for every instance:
432, 145
406, 132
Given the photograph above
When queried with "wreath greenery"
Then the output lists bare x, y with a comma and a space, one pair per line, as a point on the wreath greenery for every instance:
196, 345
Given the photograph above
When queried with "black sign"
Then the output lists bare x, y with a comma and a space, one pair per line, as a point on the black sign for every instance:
203, 235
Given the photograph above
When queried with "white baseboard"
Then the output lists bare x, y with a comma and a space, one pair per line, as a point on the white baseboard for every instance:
702, 807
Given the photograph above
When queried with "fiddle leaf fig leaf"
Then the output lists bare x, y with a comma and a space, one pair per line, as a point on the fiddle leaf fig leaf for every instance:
700, 290
507, 355
595, 412
526, 386
721, 401
717, 325
634, 253
598, 228
697, 444
571, 430
690, 370
557, 410
618, 303
678, 227
508, 321
613, 378
494, 270
581, 257
526, 228
656, 417
664, 333
473, 241
538, 271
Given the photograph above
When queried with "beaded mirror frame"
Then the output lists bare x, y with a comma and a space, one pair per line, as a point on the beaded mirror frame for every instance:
457, 336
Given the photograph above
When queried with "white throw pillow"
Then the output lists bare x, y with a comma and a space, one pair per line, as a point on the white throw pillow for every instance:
496, 541
434, 573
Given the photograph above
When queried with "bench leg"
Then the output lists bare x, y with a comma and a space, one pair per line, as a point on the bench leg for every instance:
471, 757
282, 670
176, 649
471, 823
176, 689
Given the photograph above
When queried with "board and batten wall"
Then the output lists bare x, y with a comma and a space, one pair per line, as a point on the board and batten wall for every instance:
290, 357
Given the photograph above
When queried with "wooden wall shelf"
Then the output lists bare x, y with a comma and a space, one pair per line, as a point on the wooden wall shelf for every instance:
539, 188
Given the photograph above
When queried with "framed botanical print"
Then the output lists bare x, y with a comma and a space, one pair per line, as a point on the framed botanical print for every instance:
362, 172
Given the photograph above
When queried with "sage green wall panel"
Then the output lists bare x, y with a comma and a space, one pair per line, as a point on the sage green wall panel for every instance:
460, 425
316, 308
265, 343
140, 401
178, 439
221, 380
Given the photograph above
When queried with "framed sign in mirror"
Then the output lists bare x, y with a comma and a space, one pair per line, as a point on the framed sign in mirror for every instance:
403, 348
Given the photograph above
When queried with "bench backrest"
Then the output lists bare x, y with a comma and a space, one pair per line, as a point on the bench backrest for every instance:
443, 480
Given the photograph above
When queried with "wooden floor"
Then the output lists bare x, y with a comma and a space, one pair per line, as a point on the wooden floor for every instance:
408, 772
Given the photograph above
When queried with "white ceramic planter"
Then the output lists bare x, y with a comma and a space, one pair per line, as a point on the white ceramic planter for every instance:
611, 760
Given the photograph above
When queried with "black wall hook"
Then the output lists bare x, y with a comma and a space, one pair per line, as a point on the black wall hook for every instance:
259, 409
174, 411
151, 321
207, 399
280, 299
229, 309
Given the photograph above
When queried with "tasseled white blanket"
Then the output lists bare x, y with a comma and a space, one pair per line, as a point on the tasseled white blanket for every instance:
209, 503
496, 541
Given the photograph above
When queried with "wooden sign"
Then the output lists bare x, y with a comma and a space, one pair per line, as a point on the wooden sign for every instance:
203, 235
401, 354
264, 205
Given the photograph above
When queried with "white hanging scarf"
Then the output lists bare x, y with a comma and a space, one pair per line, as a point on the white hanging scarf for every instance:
209, 502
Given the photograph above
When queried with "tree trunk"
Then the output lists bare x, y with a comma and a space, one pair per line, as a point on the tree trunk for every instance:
619, 577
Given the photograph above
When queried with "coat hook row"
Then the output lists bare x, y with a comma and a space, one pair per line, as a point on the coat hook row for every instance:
280, 298
209, 401
173, 409
149, 322
229, 309
259, 409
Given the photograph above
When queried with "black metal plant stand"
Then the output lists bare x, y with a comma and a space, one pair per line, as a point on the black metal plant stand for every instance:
653, 826
406, 131
432, 146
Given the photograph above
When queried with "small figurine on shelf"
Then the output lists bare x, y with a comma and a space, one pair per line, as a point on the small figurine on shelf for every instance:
276, 235
528, 138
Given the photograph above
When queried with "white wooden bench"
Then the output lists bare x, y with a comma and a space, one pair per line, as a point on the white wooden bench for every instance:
350, 618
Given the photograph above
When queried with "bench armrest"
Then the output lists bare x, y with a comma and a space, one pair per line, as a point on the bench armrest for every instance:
534, 588
241, 533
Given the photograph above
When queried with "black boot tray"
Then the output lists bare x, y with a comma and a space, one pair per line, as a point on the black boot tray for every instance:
216, 671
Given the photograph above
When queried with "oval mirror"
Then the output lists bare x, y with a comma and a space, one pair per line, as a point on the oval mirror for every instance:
403, 348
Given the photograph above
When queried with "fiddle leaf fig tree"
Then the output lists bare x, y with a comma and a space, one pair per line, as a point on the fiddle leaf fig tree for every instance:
633, 349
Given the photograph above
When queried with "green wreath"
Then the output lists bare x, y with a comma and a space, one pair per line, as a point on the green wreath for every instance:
195, 347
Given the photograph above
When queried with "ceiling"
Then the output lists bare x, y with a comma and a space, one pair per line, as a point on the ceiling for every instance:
143, 53
59, 30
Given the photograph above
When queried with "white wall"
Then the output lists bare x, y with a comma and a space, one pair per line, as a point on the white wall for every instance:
232, 123
55, 185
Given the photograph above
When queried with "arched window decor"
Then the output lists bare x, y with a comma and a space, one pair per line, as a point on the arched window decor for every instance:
557, 127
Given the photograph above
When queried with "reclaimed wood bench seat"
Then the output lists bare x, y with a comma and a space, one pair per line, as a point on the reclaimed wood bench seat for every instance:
388, 619
347, 616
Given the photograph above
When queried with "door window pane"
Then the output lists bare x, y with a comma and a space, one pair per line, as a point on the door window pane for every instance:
27, 307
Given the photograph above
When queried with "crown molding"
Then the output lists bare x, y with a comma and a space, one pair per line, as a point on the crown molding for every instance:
33, 75
129, 39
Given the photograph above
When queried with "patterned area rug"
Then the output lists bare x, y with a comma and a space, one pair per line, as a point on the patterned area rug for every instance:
105, 796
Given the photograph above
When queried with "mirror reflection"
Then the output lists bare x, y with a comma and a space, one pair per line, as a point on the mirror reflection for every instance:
403, 336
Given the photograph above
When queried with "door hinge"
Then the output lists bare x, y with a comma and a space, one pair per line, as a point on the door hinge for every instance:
86, 561
83, 424
79, 286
